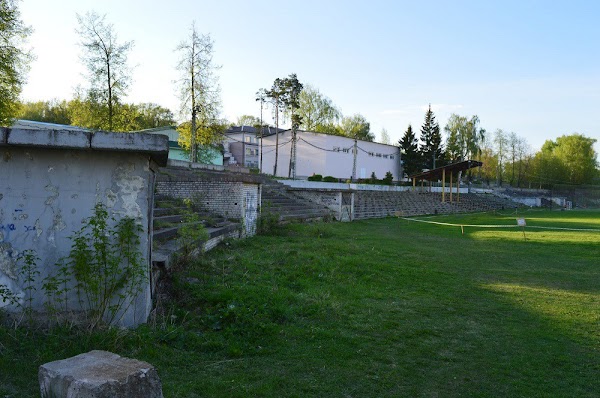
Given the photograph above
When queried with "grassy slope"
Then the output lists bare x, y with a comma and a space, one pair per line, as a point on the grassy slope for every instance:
371, 308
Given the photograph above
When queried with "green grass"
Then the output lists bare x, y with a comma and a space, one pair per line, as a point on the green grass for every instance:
369, 309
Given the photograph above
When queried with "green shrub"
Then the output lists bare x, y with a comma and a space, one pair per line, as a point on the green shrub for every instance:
315, 177
389, 177
330, 179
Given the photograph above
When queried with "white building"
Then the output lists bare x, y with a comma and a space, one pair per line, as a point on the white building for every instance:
330, 155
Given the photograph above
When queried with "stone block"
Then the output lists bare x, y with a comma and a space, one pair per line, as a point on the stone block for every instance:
99, 374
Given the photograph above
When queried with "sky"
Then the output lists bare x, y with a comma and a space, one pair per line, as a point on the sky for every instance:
529, 67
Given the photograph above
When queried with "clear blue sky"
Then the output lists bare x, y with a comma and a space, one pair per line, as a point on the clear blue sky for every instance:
532, 67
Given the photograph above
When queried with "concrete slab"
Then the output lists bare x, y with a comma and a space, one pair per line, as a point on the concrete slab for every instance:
64, 139
154, 144
99, 374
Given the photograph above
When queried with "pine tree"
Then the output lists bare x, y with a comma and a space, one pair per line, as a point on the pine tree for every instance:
431, 147
411, 158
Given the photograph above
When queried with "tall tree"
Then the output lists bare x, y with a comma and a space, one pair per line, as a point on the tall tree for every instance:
464, 137
14, 59
277, 96
385, 137
199, 89
409, 146
317, 111
106, 61
357, 127
291, 101
431, 142
501, 144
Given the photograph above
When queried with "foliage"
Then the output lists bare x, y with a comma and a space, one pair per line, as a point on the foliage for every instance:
192, 233
385, 137
356, 126
388, 179
330, 179
106, 62
209, 138
317, 112
14, 59
570, 158
28, 274
268, 222
107, 266
411, 157
80, 111
432, 151
198, 87
315, 177
247, 120
373, 178
464, 138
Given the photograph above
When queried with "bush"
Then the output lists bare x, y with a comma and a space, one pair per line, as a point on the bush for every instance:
315, 177
389, 177
329, 179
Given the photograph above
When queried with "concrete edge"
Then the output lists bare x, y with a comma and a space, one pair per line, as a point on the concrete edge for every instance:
156, 145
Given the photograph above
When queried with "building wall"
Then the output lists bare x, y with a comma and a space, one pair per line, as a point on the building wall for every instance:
330, 155
44, 196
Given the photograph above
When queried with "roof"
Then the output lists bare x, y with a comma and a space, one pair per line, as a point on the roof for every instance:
33, 125
267, 130
436, 174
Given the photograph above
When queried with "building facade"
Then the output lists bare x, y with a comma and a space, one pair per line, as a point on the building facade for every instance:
330, 155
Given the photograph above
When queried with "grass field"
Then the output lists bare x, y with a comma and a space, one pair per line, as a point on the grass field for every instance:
374, 308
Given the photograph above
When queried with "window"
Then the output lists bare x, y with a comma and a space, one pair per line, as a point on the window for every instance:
248, 139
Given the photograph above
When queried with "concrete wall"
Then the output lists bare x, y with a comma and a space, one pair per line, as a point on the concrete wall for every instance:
50, 181
330, 155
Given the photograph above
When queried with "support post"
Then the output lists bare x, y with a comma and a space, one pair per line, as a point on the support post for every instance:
451, 174
414, 183
443, 185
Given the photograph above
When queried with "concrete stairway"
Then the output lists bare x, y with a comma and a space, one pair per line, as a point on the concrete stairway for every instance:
170, 215
277, 199
382, 204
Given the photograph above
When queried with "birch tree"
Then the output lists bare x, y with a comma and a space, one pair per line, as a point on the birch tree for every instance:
106, 61
199, 92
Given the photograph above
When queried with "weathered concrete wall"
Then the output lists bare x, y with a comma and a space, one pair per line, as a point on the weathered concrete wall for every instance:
50, 182
230, 195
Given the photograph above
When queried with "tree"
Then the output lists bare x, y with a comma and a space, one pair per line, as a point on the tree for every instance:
409, 146
199, 89
317, 111
106, 61
247, 120
208, 139
291, 101
385, 137
464, 137
569, 159
14, 59
53, 111
501, 143
431, 147
276, 95
357, 127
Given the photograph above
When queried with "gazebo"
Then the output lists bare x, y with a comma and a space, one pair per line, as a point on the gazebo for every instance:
440, 173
